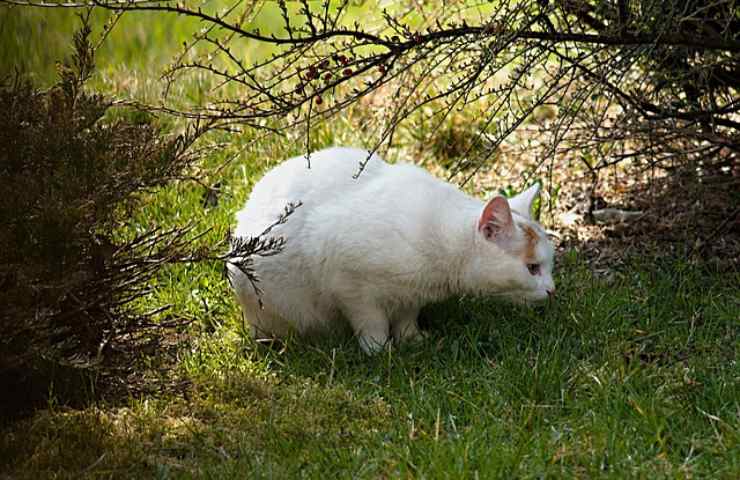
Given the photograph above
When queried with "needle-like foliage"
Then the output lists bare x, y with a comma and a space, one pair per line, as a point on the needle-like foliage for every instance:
72, 171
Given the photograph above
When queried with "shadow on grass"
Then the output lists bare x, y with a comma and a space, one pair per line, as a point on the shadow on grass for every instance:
624, 370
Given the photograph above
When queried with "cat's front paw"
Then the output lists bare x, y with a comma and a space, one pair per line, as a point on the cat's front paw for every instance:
374, 344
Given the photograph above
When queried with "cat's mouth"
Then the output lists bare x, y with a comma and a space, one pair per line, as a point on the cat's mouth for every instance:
528, 298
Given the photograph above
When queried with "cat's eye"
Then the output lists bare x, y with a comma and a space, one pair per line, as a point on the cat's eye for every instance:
534, 268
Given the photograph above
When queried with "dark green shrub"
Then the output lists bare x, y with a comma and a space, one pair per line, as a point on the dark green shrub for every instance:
69, 175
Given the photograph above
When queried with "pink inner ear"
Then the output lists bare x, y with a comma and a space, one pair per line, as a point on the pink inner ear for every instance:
497, 217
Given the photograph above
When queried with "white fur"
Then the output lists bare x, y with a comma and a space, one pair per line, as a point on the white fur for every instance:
373, 250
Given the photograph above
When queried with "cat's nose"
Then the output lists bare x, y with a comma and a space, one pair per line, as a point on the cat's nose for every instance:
551, 293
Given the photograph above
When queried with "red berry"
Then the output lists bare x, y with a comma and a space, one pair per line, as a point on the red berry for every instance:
319, 101
347, 72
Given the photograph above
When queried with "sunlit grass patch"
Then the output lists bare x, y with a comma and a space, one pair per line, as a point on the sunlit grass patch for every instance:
238, 419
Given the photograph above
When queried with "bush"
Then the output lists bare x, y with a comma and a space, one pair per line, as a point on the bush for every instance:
70, 175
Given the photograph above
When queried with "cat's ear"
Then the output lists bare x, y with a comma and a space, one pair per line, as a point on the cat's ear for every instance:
522, 202
495, 221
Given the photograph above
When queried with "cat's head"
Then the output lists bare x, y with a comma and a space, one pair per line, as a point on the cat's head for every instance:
514, 257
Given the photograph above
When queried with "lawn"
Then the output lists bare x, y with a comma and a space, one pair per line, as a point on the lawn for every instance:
631, 377
632, 373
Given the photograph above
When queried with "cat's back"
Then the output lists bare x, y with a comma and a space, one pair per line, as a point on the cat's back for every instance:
320, 179
330, 166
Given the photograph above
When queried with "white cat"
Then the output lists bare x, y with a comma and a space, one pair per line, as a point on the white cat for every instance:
375, 249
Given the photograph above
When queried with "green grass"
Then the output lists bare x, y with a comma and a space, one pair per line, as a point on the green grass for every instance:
634, 375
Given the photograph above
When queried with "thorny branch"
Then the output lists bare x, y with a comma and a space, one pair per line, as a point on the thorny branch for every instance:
660, 76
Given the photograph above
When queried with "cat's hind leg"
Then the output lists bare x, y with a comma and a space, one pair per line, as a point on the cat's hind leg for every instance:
264, 323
